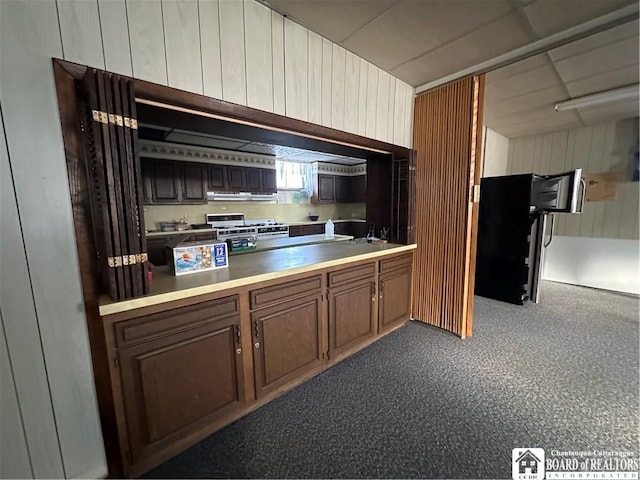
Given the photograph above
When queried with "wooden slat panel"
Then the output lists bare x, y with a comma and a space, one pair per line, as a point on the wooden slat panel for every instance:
372, 101
277, 51
146, 35
210, 48
257, 19
352, 82
338, 65
182, 41
447, 140
115, 36
382, 112
315, 78
327, 81
362, 97
234, 79
296, 40
80, 29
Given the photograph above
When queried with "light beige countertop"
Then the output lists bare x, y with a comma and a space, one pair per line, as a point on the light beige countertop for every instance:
179, 232
342, 220
248, 269
293, 242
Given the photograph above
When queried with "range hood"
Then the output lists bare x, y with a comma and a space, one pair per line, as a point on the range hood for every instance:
241, 197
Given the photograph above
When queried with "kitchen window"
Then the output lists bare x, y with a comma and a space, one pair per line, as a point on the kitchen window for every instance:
293, 176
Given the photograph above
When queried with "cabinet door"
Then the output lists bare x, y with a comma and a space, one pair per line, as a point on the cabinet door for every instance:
179, 384
394, 292
254, 180
164, 181
216, 178
269, 182
313, 229
155, 249
236, 179
145, 169
358, 189
326, 188
287, 342
295, 230
342, 186
194, 182
351, 316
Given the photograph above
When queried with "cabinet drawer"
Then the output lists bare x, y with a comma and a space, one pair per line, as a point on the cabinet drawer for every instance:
396, 262
284, 291
361, 272
149, 327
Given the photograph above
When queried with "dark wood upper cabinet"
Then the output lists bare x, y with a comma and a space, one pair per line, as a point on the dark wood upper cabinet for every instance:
194, 183
358, 189
217, 175
326, 188
269, 181
164, 181
254, 180
343, 194
236, 179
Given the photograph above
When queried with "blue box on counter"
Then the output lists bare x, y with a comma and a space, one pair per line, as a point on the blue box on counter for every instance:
199, 258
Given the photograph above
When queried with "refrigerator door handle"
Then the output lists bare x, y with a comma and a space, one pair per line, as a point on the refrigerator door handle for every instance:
553, 220
583, 194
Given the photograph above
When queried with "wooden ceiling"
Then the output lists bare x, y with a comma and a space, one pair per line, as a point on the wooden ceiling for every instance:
421, 41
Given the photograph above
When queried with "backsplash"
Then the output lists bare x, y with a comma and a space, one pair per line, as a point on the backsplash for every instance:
286, 212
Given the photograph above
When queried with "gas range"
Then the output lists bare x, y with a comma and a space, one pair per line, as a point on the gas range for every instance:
234, 225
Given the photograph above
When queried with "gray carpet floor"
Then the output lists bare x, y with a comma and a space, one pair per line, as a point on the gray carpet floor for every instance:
421, 403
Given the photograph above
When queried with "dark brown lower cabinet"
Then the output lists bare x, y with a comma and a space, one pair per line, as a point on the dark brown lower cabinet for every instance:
394, 295
287, 342
351, 315
179, 384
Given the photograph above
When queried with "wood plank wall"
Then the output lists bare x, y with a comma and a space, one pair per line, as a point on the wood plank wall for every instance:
603, 148
227, 49
447, 139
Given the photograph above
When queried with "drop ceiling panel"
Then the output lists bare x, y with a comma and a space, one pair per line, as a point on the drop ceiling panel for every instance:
518, 68
525, 103
603, 81
597, 41
542, 124
205, 141
540, 78
333, 19
610, 57
614, 111
413, 28
489, 41
551, 16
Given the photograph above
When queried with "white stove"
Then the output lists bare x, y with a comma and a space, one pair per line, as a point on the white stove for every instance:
234, 225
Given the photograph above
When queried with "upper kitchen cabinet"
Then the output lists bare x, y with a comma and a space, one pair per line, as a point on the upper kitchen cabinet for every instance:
217, 175
341, 189
249, 179
326, 188
169, 182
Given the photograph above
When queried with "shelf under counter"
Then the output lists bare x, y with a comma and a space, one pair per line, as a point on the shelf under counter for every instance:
245, 270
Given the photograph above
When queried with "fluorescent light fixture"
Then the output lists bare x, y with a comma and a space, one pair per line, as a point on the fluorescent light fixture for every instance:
609, 96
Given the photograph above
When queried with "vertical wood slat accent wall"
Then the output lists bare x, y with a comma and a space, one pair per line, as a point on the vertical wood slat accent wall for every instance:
447, 140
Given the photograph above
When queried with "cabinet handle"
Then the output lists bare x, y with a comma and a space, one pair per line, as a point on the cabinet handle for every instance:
255, 329
256, 345
381, 286
238, 334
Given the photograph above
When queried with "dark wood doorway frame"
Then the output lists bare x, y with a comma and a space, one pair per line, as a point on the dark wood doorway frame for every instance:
203, 114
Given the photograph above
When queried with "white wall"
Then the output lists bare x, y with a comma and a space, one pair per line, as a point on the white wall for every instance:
234, 50
598, 248
496, 154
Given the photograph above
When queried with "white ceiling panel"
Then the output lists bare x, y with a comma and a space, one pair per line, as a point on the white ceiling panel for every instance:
540, 78
614, 111
595, 42
517, 126
413, 28
610, 57
502, 35
334, 19
523, 104
518, 68
603, 81
551, 16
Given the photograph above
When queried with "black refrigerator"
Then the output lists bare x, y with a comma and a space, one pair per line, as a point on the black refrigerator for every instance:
512, 230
